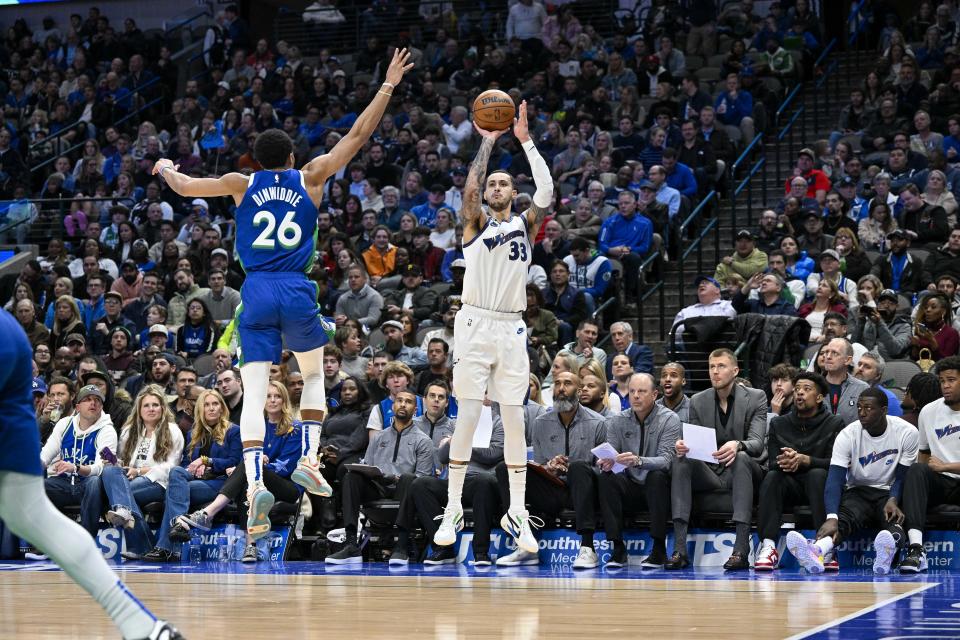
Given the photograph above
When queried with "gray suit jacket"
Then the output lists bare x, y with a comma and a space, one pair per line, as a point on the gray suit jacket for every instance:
748, 423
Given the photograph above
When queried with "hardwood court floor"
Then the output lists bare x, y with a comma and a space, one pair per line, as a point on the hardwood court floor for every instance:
236, 603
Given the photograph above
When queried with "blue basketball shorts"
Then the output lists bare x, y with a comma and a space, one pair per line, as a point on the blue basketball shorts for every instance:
19, 434
278, 307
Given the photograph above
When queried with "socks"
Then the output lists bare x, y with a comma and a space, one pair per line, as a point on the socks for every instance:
253, 465
518, 489
456, 474
680, 536
825, 545
915, 536
311, 440
742, 543
586, 539
768, 544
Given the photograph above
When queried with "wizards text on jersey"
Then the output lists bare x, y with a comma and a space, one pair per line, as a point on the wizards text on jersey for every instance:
493, 243
877, 456
948, 430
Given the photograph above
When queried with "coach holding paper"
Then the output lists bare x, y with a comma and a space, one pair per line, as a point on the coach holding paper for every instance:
739, 416
644, 435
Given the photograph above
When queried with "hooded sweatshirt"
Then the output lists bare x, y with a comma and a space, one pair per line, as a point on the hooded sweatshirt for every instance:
810, 436
70, 444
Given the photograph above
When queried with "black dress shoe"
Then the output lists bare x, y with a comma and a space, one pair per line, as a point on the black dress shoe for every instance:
160, 555
677, 561
736, 562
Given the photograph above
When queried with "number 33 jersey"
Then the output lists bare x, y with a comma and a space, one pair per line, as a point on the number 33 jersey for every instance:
497, 261
276, 224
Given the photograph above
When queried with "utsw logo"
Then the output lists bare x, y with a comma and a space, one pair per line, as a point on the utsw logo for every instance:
877, 456
503, 238
948, 430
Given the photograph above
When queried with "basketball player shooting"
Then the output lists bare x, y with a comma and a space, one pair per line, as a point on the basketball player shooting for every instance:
276, 220
490, 339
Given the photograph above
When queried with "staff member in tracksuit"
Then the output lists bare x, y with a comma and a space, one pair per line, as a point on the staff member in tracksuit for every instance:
644, 435
401, 453
562, 443
480, 492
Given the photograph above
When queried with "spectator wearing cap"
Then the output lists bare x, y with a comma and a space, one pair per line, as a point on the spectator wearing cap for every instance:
944, 260
72, 457
220, 259
829, 262
426, 256
626, 236
130, 282
38, 389
770, 301
899, 270
340, 120
199, 212
847, 188
411, 298
426, 213
817, 181
412, 357
928, 222
186, 290
745, 261
454, 195
222, 301
709, 303
813, 240
105, 324
117, 406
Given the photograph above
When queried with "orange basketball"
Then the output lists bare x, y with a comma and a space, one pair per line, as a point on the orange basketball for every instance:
494, 110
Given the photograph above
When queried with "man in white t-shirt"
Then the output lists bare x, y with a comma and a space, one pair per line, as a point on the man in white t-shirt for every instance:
935, 479
870, 459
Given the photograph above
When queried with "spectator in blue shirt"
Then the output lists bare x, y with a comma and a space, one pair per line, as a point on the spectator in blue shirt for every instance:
666, 194
734, 108
951, 143
626, 237
426, 213
340, 120
312, 128
679, 175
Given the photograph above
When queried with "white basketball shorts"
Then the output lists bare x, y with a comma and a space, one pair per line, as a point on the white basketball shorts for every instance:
490, 350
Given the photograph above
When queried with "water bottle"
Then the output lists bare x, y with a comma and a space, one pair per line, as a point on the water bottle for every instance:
223, 548
196, 553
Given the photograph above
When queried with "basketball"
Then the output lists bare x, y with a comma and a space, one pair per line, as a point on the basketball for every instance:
494, 110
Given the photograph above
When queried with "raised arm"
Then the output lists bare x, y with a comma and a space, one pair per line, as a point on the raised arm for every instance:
470, 212
322, 167
543, 197
231, 184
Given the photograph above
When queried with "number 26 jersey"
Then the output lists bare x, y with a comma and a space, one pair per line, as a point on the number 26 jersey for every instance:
276, 224
497, 262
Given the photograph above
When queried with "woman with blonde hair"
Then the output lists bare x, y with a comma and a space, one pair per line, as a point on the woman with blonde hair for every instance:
151, 444
66, 321
535, 389
282, 449
936, 194
214, 448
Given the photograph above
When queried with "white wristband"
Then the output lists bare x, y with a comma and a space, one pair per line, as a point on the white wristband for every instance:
832, 516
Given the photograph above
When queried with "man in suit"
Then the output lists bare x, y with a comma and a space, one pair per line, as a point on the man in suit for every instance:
739, 416
641, 357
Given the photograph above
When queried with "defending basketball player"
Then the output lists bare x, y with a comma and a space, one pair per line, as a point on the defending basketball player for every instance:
276, 221
490, 334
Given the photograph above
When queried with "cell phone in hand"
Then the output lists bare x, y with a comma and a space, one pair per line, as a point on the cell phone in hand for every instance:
108, 456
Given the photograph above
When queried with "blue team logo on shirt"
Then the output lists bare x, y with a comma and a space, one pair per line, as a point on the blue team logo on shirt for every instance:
948, 430
877, 456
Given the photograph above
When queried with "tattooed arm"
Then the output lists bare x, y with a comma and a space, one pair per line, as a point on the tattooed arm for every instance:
543, 197
471, 214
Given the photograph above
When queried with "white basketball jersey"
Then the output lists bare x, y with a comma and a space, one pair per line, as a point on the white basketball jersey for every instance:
497, 261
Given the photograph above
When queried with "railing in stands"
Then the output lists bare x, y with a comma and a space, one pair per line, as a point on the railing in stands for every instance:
49, 221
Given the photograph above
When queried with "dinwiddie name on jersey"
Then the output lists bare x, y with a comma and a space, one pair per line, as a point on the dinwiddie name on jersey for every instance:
282, 194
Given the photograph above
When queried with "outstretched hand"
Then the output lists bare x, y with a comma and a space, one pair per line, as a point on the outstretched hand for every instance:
520, 124
398, 66
163, 163
491, 135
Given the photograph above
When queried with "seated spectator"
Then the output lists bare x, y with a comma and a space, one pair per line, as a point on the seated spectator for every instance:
591, 271
348, 340
72, 457
898, 270
398, 473
734, 109
412, 298
746, 260
826, 299
67, 321
361, 302
380, 258
772, 228
739, 416
567, 303
797, 190
26, 313
781, 389
770, 301
817, 181
830, 270
933, 330
410, 356
708, 303
879, 328
813, 241
852, 500
282, 448
553, 247
222, 301
944, 260
583, 223
878, 135
874, 229
844, 389
928, 222
199, 332
640, 356
438, 352
856, 263
798, 264
837, 214
542, 324
870, 370
393, 378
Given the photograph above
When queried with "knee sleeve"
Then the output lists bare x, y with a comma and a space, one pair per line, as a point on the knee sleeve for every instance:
255, 377
468, 414
311, 367
514, 440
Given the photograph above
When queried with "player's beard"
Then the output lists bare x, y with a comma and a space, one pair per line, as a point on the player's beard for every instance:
563, 404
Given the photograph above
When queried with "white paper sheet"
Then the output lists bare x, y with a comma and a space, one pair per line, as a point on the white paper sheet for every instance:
606, 451
702, 442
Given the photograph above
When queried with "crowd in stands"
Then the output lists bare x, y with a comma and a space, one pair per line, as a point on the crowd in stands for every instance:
130, 304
